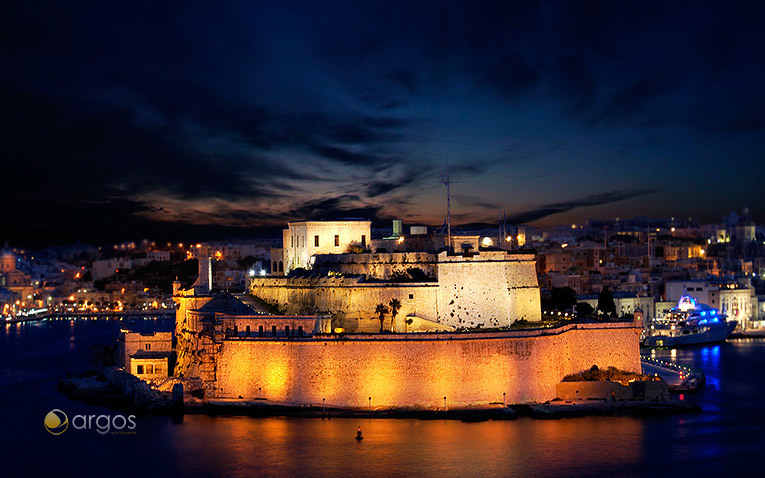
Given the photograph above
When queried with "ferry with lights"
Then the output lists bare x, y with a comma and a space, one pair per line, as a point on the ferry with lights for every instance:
689, 323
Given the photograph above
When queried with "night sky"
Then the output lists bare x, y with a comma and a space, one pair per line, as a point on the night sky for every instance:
145, 120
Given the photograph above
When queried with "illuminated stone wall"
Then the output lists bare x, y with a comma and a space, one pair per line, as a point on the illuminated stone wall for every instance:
347, 297
420, 370
188, 328
490, 289
377, 265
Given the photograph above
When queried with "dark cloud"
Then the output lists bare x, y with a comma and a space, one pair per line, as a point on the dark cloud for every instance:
639, 96
591, 200
339, 207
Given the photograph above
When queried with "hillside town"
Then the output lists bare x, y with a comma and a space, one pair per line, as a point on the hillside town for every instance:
601, 268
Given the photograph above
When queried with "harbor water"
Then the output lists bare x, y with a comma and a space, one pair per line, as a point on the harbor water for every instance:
726, 439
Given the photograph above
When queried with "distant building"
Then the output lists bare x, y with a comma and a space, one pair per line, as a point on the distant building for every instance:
108, 267
159, 256
738, 301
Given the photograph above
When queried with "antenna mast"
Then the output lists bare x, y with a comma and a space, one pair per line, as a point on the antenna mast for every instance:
448, 183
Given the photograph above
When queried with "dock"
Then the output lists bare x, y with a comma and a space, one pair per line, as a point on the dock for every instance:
679, 378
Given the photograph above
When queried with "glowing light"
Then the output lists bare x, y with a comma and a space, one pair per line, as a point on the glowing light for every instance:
564, 246
400, 240
487, 242
686, 303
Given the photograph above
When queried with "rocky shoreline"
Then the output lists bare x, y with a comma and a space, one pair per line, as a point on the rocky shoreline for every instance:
119, 390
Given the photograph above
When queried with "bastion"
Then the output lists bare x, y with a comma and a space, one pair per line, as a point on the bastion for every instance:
489, 289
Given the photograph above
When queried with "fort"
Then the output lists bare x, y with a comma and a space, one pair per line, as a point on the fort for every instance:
449, 344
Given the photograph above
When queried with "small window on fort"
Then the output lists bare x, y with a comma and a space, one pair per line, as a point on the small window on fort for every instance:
337, 240
139, 370
158, 369
147, 347
273, 330
281, 266
411, 296
316, 241
363, 240
274, 268
260, 330
300, 330
287, 330
150, 368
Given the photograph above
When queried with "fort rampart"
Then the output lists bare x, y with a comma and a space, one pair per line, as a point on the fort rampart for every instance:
420, 370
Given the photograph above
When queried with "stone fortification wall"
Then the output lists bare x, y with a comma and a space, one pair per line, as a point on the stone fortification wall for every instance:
490, 289
419, 370
377, 265
188, 328
349, 299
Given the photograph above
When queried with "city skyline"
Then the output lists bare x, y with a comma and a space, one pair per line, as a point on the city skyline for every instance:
151, 122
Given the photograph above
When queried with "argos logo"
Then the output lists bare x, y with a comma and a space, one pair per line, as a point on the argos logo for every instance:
57, 422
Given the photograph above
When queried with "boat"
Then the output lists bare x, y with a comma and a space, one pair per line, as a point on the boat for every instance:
689, 323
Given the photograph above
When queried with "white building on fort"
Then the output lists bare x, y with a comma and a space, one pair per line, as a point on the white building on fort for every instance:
305, 239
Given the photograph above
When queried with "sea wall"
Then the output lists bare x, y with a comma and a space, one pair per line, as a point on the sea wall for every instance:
419, 370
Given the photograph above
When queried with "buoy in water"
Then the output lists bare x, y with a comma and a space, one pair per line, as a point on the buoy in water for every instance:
358, 435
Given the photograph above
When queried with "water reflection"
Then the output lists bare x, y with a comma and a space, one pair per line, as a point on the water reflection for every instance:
306, 447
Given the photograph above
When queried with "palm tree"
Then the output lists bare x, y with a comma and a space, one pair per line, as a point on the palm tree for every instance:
381, 309
394, 305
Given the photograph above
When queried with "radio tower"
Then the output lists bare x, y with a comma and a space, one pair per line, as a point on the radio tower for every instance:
447, 182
